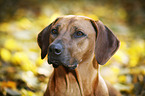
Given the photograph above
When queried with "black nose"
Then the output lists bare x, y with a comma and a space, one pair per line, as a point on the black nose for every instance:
56, 49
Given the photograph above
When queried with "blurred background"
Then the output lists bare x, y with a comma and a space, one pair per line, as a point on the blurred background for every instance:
23, 73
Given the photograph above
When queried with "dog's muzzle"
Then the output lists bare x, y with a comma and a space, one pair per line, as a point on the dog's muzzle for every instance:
57, 57
55, 50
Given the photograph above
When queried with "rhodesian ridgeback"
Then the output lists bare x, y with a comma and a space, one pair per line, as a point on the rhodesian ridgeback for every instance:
76, 46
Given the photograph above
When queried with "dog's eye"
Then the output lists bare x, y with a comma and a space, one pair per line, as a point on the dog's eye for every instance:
78, 34
54, 32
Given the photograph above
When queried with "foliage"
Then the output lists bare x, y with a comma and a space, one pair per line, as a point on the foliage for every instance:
23, 71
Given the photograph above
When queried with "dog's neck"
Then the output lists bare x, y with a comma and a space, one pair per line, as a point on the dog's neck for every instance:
89, 74
85, 75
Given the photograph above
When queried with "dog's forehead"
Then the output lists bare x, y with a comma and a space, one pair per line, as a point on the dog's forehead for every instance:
73, 20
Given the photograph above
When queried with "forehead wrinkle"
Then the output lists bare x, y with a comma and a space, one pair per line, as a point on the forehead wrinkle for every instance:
72, 20
68, 25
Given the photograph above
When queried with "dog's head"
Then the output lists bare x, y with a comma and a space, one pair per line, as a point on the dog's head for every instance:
70, 40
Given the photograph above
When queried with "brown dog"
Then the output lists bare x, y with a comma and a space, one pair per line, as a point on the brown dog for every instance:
75, 46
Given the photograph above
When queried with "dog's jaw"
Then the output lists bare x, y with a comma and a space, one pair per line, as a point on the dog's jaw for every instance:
56, 63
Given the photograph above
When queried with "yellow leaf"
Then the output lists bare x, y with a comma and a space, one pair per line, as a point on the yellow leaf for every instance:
135, 52
115, 70
143, 71
29, 66
30, 93
11, 45
19, 58
5, 54
4, 27
24, 23
122, 78
43, 19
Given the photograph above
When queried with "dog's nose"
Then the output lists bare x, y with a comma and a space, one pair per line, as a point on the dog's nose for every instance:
56, 49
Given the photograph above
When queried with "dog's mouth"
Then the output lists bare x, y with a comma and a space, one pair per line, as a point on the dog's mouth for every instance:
66, 62
55, 63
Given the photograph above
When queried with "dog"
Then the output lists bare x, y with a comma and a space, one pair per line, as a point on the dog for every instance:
76, 46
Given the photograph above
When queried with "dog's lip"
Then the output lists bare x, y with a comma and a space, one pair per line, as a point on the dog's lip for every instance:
72, 67
56, 62
52, 60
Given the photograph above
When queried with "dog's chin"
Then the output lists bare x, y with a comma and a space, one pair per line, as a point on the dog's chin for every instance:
66, 63
70, 66
56, 64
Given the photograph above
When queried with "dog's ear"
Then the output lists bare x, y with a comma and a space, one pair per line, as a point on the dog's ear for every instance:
106, 42
43, 40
